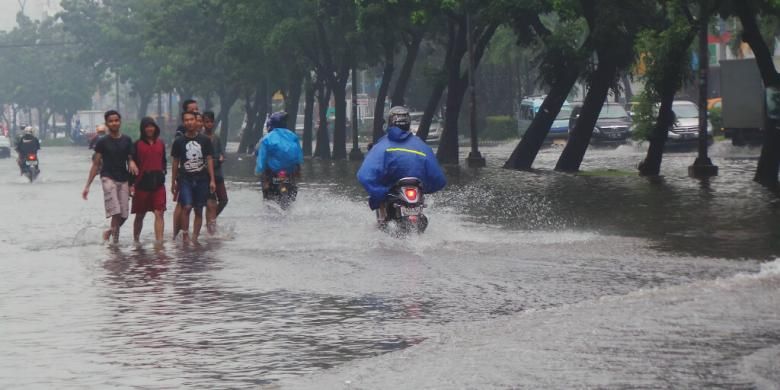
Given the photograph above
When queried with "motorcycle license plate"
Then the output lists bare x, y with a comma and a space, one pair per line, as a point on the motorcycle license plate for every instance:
408, 211
32, 163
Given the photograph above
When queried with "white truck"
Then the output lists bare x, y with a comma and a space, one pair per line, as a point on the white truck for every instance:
742, 90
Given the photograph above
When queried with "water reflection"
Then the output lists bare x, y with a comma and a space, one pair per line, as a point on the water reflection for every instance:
168, 310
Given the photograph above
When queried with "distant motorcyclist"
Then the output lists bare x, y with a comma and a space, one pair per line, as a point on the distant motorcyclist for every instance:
27, 144
100, 131
279, 150
398, 155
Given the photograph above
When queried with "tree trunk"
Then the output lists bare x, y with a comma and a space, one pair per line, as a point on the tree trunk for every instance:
308, 117
627, 88
448, 146
69, 123
651, 165
226, 101
323, 140
412, 49
293, 99
144, 99
456, 90
523, 156
208, 103
571, 158
769, 161
379, 106
430, 109
340, 131
254, 119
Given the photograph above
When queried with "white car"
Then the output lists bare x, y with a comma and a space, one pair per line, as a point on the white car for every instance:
686, 127
5, 147
434, 132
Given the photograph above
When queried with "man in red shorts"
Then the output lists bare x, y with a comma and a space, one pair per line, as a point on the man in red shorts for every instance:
149, 186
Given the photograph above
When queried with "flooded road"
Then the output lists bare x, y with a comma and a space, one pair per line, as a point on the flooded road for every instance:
523, 279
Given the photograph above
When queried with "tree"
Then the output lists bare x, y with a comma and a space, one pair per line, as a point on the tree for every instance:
614, 25
666, 58
748, 12
484, 23
111, 36
563, 53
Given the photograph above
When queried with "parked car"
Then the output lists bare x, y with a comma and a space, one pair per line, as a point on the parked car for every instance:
530, 106
612, 127
686, 125
434, 132
5, 147
560, 126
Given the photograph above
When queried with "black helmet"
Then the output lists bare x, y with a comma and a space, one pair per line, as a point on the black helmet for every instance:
399, 117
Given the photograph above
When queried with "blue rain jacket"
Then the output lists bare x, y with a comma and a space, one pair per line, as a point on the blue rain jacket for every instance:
397, 155
279, 150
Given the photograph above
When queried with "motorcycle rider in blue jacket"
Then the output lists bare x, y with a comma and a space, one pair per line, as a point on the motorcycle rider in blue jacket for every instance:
397, 155
279, 150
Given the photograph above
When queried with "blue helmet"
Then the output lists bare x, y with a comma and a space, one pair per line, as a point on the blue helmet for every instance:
277, 120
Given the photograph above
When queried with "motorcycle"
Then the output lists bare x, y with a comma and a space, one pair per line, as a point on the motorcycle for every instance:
402, 211
281, 188
30, 167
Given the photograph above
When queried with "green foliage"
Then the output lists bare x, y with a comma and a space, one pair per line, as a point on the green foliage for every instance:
665, 54
644, 115
716, 118
499, 128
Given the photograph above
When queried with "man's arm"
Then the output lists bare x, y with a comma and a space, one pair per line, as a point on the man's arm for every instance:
96, 161
212, 182
174, 175
131, 165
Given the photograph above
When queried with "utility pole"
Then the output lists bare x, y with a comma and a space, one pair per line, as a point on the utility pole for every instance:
702, 166
355, 154
475, 159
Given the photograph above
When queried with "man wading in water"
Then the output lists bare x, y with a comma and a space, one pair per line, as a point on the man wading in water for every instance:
192, 175
218, 199
114, 160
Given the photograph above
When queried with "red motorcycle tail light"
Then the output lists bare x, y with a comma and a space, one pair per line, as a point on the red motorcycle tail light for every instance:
411, 194
31, 157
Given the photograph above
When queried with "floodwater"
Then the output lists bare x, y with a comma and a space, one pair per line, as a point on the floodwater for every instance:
523, 280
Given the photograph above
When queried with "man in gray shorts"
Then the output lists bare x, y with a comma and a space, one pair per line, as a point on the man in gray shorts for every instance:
114, 160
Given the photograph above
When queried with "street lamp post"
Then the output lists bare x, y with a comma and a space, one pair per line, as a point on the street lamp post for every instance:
702, 167
355, 154
475, 159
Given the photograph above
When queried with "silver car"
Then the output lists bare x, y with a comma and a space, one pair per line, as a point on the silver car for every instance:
686, 126
434, 132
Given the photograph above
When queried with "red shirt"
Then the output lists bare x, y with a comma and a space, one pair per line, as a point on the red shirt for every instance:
150, 157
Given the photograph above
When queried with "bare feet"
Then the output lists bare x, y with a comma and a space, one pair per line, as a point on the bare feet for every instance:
106, 235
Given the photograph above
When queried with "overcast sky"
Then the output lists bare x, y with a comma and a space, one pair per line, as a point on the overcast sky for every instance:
33, 9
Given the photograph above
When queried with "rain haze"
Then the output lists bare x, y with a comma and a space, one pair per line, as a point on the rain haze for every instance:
389, 195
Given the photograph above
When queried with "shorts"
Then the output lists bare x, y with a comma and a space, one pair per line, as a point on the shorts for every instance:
148, 201
193, 191
116, 196
220, 195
